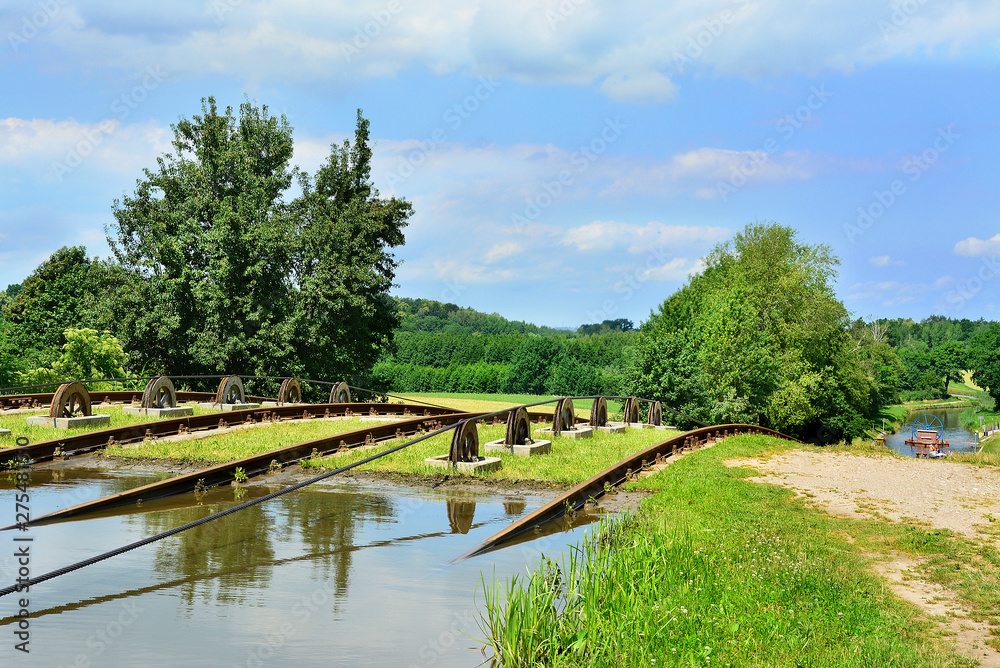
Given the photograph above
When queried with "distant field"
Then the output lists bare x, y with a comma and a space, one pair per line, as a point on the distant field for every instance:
967, 381
494, 402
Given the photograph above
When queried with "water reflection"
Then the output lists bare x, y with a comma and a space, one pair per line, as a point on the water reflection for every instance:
375, 557
460, 515
513, 507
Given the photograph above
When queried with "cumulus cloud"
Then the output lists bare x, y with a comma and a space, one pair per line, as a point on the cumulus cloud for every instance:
637, 238
645, 88
54, 149
973, 247
885, 261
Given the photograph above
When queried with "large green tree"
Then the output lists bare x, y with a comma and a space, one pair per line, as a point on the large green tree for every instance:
760, 337
61, 293
223, 273
984, 355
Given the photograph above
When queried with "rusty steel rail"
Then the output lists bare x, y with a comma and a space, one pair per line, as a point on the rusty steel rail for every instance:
255, 465
39, 399
95, 440
595, 487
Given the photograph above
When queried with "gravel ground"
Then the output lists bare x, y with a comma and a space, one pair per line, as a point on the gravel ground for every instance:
937, 493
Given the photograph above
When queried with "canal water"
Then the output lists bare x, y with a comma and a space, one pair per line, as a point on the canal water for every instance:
959, 439
329, 575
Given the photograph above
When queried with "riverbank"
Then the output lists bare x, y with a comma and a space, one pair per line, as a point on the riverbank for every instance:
726, 566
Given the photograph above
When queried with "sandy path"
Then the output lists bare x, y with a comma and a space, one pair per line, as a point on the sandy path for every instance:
939, 494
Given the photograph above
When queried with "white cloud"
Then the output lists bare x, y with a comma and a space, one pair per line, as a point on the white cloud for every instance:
602, 235
888, 293
631, 52
885, 261
644, 88
699, 171
52, 149
502, 251
678, 269
973, 247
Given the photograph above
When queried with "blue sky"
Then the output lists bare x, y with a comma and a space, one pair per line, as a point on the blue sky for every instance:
568, 160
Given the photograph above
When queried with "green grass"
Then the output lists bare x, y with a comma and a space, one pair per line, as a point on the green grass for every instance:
570, 461
238, 443
715, 570
18, 424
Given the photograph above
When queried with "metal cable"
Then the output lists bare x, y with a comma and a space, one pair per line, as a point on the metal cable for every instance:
223, 513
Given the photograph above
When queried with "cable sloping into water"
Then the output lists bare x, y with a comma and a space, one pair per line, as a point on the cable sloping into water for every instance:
28, 582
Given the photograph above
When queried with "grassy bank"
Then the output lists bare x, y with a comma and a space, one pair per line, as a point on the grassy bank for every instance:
570, 462
236, 444
17, 423
715, 570
495, 402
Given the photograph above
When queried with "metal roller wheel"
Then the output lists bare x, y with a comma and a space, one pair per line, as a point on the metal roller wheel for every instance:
518, 428
564, 417
631, 410
655, 414
340, 394
465, 443
160, 393
599, 413
70, 400
290, 392
231, 391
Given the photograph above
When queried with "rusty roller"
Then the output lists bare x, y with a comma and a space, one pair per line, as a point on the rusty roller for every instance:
599, 413
290, 392
231, 391
159, 393
465, 443
564, 417
631, 410
340, 394
70, 400
518, 428
655, 414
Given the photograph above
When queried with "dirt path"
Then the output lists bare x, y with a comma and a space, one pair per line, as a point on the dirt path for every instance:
938, 494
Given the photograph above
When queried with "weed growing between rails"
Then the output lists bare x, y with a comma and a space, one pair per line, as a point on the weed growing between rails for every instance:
713, 571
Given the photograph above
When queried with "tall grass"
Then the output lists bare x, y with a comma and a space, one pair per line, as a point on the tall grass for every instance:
718, 571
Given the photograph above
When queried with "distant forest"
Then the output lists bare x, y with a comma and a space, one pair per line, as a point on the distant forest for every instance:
442, 347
